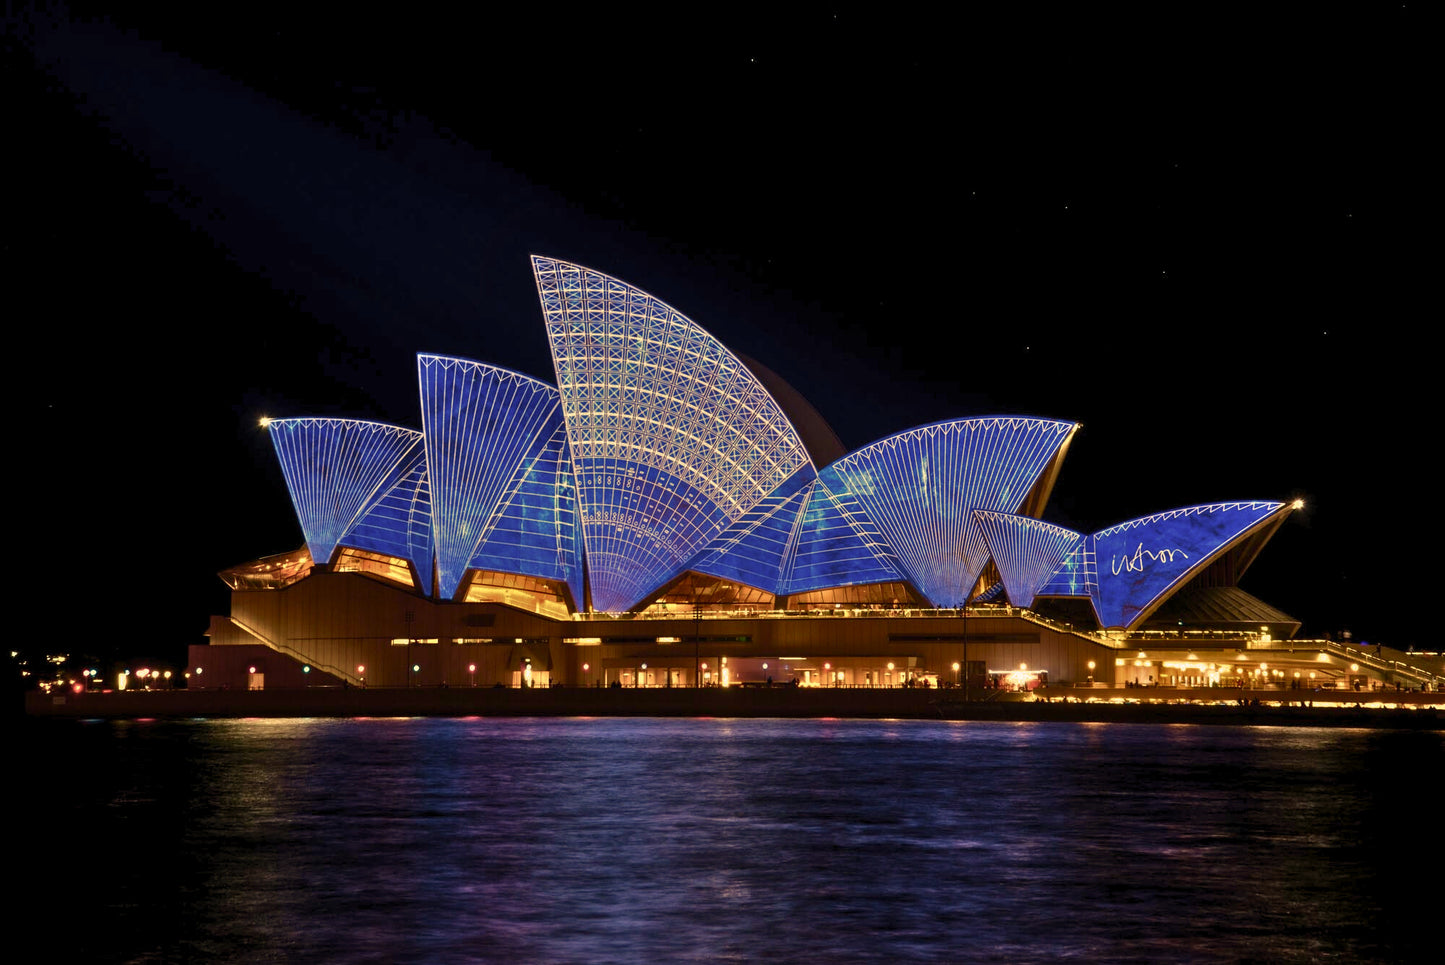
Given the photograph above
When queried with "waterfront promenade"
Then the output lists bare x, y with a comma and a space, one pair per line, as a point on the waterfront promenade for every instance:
1159, 705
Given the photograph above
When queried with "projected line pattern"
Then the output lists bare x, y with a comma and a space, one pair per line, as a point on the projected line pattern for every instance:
920, 488
399, 523
673, 439
837, 545
493, 452
1142, 561
1076, 575
534, 531
662, 450
1025, 550
337, 470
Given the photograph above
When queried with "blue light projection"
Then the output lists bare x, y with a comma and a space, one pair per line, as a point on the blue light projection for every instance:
837, 545
673, 439
920, 488
1026, 550
338, 471
1141, 561
801, 539
1076, 576
535, 532
662, 452
755, 549
399, 523
499, 475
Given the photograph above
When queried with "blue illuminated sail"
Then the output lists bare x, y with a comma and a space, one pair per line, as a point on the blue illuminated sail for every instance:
673, 439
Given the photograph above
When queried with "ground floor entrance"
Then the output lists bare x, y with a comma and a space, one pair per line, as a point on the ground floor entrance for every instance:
819, 672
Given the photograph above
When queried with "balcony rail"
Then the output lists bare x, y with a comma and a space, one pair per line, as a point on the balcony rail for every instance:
1372, 657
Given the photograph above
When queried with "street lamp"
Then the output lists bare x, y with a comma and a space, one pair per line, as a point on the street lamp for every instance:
963, 619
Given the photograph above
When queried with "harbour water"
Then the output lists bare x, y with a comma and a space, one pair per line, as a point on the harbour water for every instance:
719, 840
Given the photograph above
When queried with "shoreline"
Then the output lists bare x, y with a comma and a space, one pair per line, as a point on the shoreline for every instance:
1415, 711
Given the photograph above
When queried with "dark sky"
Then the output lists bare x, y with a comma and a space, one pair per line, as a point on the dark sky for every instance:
1199, 233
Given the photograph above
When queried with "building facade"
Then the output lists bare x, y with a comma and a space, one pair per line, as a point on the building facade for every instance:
655, 518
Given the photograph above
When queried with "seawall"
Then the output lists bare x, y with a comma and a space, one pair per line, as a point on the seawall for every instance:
1426, 711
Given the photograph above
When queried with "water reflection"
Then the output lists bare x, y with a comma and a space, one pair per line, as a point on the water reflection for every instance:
605, 840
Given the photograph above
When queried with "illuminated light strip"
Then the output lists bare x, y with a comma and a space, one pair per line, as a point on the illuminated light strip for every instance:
920, 488
1188, 511
336, 470
1027, 551
672, 438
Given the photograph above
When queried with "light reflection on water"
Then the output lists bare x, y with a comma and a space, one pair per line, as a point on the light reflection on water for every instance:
619, 840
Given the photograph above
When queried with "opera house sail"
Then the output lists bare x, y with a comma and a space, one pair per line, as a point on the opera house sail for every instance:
673, 438
661, 473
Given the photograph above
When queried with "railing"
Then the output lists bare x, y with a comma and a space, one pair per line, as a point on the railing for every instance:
300, 657
838, 613
1375, 660
1178, 638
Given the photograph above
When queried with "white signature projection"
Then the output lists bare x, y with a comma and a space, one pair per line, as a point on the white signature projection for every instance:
1141, 556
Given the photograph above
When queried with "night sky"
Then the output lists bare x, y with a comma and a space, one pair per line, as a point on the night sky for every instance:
1199, 233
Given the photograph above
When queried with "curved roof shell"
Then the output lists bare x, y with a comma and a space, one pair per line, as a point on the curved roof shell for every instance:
1027, 551
660, 451
500, 471
1142, 561
673, 438
359, 483
1130, 569
921, 488
802, 537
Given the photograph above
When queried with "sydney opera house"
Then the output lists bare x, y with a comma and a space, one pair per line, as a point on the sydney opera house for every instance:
667, 513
